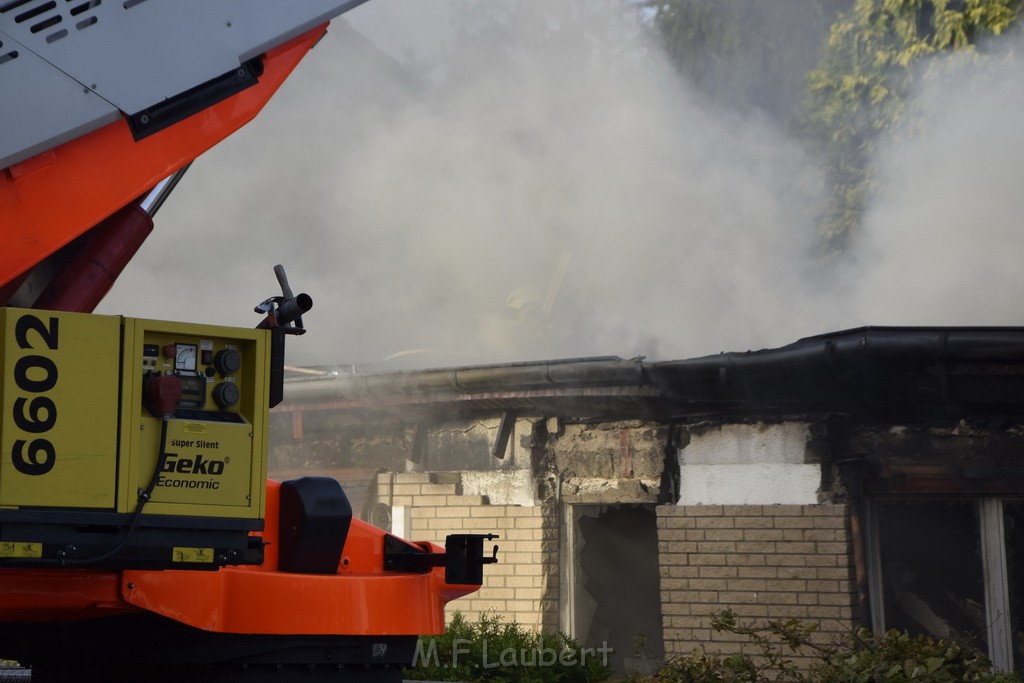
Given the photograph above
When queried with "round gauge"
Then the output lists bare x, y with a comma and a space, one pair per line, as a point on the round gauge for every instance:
185, 357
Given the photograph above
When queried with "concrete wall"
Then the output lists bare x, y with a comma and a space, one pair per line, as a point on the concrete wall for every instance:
762, 561
604, 462
587, 461
326, 438
523, 586
749, 464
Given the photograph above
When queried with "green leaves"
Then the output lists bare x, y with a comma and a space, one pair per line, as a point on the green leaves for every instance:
855, 92
860, 88
897, 656
863, 657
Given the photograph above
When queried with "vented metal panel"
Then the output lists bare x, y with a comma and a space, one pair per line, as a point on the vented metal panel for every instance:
48, 20
40, 107
132, 53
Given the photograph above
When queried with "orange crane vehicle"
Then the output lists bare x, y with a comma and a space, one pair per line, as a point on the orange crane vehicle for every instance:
139, 537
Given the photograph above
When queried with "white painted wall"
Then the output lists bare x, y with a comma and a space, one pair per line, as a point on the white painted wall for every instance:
767, 484
744, 464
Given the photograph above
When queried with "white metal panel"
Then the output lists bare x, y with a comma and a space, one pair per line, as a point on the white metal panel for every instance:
136, 54
40, 107
132, 53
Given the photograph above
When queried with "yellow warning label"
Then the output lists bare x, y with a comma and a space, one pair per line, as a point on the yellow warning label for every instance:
192, 554
194, 427
20, 549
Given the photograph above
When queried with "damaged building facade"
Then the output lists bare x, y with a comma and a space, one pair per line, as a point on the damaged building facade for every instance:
870, 477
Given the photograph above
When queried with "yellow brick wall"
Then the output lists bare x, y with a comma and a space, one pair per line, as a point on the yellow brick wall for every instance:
765, 562
523, 585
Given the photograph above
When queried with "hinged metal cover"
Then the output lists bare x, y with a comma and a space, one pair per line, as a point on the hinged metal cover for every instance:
70, 66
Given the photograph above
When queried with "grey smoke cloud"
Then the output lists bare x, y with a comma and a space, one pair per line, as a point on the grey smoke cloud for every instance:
943, 243
552, 190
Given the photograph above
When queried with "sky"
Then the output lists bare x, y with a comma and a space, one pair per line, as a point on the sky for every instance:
458, 183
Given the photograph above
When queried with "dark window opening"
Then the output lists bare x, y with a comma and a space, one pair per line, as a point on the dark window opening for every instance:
932, 574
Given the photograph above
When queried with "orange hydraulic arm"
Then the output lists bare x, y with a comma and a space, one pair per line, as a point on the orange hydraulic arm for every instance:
50, 200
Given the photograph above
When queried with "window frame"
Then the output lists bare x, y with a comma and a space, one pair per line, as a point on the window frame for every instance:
995, 572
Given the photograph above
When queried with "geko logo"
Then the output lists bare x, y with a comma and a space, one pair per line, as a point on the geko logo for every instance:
198, 465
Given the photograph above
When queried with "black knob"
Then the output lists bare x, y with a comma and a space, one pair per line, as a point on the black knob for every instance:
226, 394
227, 361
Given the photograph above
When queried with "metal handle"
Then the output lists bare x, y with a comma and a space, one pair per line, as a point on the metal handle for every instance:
282, 279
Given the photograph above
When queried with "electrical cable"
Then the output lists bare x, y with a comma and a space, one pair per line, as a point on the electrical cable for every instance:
144, 497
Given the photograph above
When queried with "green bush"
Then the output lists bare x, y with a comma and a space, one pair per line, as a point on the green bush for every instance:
897, 656
861, 657
491, 649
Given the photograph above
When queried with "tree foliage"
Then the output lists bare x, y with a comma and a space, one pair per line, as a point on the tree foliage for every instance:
838, 71
874, 55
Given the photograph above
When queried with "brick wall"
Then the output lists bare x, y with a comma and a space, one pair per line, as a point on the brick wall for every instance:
765, 562
523, 586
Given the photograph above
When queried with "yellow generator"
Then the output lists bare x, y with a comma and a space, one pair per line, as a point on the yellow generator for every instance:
129, 442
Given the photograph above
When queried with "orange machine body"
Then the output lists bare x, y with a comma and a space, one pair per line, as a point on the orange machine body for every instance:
362, 599
68, 216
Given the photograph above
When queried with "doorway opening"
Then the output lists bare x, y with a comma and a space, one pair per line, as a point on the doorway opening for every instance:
614, 596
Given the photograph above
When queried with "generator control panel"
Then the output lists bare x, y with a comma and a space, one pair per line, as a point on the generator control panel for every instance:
101, 413
209, 384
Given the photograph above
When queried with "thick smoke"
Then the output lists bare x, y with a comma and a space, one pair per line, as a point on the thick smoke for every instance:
942, 244
519, 181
